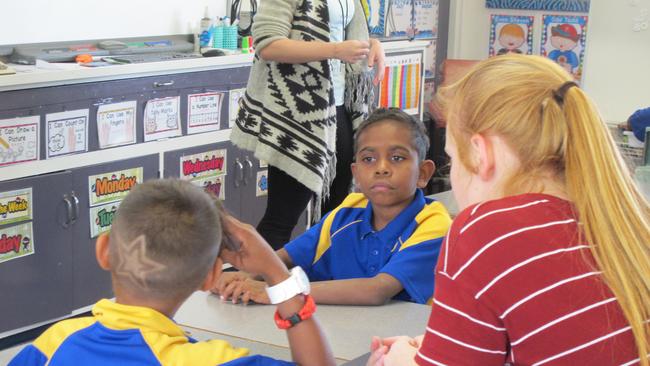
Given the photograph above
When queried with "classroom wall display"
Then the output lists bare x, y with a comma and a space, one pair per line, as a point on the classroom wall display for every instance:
207, 170
563, 41
67, 132
425, 18
511, 34
16, 206
577, 6
262, 183
204, 112
113, 186
375, 11
16, 241
429, 91
400, 19
101, 218
430, 60
116, 124
162, 118
402, 82
19, 140
233, 104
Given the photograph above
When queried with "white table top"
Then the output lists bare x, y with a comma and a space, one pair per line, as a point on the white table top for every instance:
348, 328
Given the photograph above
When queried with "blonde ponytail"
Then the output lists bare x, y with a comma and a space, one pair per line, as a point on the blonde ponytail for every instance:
517, 97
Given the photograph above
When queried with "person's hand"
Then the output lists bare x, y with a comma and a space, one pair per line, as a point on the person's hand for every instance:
254, 255
226, 278
245, 290
377, 59
351, 51
393, 351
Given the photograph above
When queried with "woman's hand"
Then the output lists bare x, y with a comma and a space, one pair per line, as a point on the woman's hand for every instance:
377, 59
393, 351
351, 51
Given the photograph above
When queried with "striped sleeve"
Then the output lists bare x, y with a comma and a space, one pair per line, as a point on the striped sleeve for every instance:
272, 22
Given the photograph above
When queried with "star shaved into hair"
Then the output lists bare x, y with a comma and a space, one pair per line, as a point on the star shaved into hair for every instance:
134, 263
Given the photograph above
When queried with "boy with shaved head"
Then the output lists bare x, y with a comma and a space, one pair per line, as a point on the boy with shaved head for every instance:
165, 243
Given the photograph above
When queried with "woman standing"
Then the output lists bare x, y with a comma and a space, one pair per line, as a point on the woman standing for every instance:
309, 87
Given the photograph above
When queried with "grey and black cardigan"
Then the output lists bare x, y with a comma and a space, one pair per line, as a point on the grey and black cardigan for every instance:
287, 116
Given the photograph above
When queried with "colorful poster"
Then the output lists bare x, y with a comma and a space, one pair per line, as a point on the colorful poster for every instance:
425, 18
204, 112
402, 82
16, 206
19, 140
375, 11
101, 218
576, 6
563, 41
214, 184
16, 241
233, 106
162, 118
206, 164
113, 186
511, 34
116, 124
262, 183
430, 60
400, 22
67, 132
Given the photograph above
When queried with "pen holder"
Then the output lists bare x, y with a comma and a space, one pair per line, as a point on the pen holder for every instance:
230, 37
217, 38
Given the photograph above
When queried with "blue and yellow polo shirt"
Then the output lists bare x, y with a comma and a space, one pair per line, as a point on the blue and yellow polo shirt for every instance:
343, 245
125, 335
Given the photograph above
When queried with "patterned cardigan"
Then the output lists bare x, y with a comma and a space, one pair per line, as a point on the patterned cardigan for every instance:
287, 116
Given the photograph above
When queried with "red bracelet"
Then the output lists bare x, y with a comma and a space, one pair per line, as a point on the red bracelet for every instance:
305, 313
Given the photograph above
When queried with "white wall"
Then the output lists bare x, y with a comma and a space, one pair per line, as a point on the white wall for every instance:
617, 59
32, 21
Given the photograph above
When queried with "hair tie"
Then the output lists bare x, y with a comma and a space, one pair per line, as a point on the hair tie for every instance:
559, 93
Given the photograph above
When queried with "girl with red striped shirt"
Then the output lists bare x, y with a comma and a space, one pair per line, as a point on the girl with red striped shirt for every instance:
549, 261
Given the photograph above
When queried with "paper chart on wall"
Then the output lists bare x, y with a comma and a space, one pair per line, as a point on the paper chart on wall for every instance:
402, 82
563, 40
233, 106
162, 118
19, 140
16, 241
262, 183
101, 218
400, 19
511, 34
214, 184
430, 60
112, 186
16, 206
425, 18
116, 124
67, 132
204, 112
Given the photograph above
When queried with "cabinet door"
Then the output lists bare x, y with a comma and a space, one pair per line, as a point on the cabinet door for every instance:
252, 188
198, 165
90, 282
37, 287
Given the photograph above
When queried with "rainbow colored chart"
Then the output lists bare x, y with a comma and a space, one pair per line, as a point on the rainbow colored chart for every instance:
402, 83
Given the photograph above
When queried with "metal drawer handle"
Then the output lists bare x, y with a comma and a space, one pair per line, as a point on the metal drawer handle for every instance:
69, 214
250, 170
158, 84
239, 172
75, 202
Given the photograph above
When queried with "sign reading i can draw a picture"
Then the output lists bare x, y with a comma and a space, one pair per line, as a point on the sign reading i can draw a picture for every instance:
16, 206
563, 41
113, 186
19, 140
16, 241
511, 34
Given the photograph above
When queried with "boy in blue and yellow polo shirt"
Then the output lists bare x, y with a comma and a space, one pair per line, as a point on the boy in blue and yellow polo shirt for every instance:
379, 244
166, 243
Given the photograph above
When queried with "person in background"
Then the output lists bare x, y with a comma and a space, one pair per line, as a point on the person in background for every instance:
310, 86
165, 243
379, 244
549, 260
638, 122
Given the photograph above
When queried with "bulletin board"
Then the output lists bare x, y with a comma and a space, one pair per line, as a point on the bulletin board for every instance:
403, 82
402, 19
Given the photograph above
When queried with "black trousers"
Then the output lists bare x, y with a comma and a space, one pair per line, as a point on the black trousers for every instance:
288, 198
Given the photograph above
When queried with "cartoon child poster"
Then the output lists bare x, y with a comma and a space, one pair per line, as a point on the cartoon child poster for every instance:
511, 34
563, 41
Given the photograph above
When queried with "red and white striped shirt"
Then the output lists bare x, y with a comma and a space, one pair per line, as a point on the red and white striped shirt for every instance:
515, 284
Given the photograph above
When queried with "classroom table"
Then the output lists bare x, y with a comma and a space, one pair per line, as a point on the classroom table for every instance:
347, 328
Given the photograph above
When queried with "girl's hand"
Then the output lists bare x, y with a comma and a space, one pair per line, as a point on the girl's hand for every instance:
377, 58
351, 51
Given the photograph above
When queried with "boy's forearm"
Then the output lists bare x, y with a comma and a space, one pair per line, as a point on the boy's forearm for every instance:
307, 341
284, 256
357, 291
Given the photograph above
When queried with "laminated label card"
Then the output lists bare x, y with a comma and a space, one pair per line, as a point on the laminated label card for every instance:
233, 107
162, 118
205, 164
101, 218
19, 140
116, 124
113, 186
16, 241
204, 112
67, 132
16, 206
